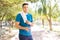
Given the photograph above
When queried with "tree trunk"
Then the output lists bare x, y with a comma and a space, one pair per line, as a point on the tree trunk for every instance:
50, 24
43, 22
0, 24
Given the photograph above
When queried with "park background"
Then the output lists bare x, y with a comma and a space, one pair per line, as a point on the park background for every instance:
46, 16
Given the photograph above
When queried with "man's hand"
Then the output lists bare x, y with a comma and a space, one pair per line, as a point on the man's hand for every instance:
26, 28
30, 23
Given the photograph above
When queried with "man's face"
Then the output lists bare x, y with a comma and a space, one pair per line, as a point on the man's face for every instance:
25, 8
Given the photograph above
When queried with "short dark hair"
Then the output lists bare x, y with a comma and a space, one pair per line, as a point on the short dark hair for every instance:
24, 4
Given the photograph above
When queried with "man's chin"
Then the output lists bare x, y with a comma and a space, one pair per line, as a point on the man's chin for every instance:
26, 12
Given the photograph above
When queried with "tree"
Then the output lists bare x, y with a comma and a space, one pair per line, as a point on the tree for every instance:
51, 10
9, 9
42, 10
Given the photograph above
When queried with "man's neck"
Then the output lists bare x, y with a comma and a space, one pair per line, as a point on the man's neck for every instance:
24, 12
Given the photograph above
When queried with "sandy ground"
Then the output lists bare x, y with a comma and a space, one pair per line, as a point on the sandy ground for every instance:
38, 33
42, 35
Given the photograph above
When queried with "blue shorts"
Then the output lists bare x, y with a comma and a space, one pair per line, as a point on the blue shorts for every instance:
22, 37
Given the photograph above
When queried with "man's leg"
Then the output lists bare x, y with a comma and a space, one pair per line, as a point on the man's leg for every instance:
21, 37
30, 38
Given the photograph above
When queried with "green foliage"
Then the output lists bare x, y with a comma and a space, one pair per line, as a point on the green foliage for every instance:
40, 11
8, 8
32, 1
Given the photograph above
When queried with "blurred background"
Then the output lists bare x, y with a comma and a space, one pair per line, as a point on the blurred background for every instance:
46, 16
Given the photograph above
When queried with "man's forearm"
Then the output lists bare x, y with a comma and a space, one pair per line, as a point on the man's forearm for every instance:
30, 23
24, 28
20, 27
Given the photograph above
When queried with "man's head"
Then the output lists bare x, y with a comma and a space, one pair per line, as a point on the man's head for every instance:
25, 7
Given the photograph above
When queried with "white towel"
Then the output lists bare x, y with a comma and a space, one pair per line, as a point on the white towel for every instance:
24, 16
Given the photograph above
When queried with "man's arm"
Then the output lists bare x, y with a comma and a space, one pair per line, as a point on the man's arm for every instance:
20, 27
30, 23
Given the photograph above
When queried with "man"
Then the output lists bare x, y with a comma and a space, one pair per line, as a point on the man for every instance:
24, 21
